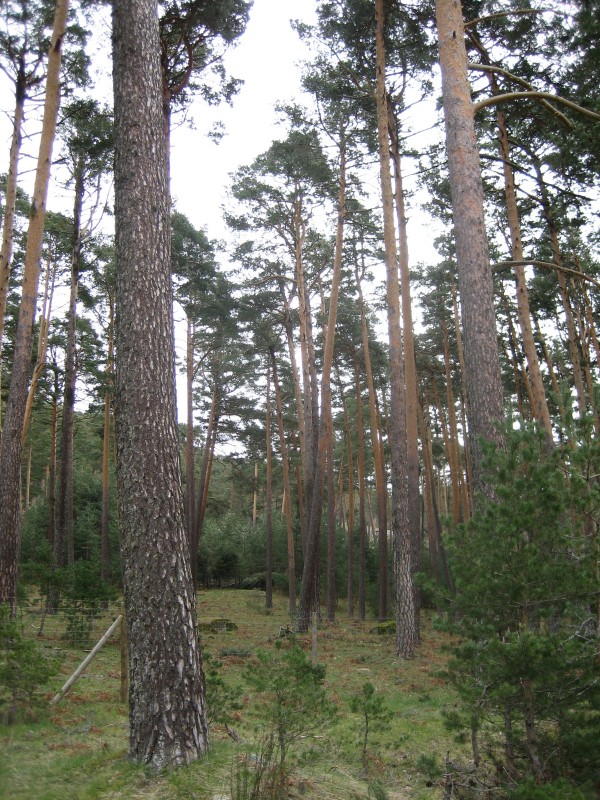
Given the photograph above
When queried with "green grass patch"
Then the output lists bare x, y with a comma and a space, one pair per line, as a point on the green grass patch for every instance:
77, 750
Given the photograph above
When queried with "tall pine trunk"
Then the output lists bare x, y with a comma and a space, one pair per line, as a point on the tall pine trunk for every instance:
167, 712
482, 365
410, 367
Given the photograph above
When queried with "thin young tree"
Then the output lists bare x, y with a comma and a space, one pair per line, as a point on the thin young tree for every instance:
406, 621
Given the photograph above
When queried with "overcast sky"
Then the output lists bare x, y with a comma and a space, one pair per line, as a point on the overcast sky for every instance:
267, 59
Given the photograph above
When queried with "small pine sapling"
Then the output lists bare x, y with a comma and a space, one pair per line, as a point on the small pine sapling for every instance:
374, 712
293, 698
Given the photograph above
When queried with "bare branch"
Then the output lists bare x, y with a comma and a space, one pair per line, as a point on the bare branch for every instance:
503, 98
546, 265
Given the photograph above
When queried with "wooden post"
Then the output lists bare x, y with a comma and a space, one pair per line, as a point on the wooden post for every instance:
81, 668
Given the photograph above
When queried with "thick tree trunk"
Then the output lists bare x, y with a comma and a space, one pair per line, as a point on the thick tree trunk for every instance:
482, 366
406, 622
11, 447
167, 712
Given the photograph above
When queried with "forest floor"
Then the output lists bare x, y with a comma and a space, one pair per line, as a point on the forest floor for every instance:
77, 749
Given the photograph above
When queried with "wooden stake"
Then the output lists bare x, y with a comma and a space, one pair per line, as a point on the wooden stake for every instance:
81, 668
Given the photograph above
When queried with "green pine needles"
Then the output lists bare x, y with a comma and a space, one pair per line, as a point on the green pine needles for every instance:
24, 668
525, 611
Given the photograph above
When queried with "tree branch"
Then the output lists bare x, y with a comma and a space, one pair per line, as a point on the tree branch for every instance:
503, 98
546, 265
520, 82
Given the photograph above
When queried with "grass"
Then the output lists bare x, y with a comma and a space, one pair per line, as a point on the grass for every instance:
77, 750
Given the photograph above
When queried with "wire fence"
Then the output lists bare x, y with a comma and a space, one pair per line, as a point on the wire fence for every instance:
70, 625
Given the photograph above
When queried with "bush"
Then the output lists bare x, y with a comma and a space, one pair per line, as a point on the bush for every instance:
525, 663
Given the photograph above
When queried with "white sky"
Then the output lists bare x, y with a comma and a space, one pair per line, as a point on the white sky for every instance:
266, 58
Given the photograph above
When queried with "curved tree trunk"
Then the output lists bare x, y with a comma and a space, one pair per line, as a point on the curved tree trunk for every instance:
166, 699
11, 448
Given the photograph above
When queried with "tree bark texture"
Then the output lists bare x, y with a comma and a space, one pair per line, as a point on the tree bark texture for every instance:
166, 699
11, 448
482, 365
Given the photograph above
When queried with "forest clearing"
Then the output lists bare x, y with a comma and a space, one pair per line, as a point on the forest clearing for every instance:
77, 750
